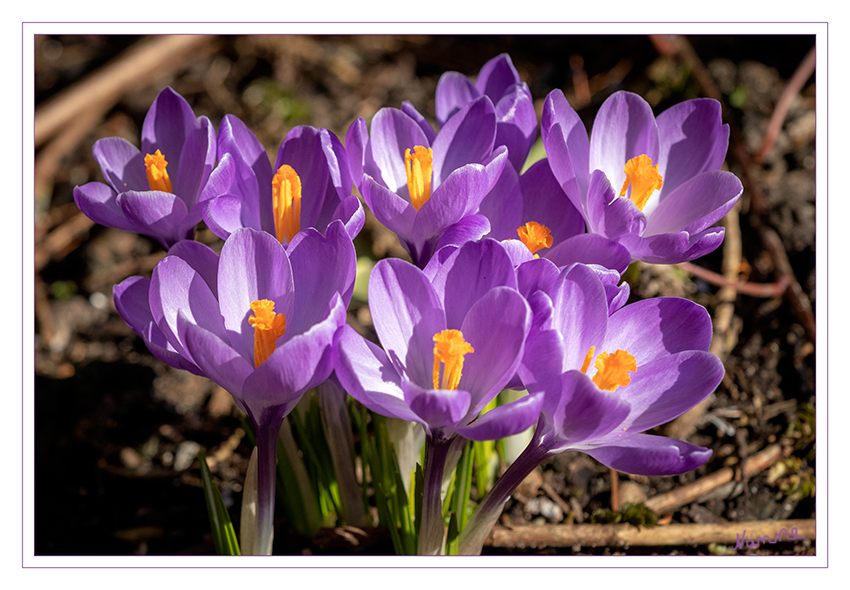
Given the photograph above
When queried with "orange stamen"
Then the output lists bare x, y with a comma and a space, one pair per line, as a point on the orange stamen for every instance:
644, 179
449, 349
612, 370
286, 203
155, 165
268, 327
419, 167
535, 236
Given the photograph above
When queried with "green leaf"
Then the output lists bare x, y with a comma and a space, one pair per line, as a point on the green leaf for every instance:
452, 536
224, 536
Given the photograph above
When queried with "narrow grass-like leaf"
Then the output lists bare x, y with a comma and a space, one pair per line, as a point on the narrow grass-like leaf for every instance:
224, 537
452, 536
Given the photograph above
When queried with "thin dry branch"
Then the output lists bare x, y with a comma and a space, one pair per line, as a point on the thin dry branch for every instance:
691, 492
623, 535
142, 64
795, 84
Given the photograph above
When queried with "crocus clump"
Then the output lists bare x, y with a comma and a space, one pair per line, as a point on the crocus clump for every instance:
309, 186
160, 190
259, 320
652, 184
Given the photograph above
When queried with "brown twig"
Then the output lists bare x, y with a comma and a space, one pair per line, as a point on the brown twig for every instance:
62, 240
795, 84
615, 490
142, 64
746, 288
622, 535
800, 304
691, 492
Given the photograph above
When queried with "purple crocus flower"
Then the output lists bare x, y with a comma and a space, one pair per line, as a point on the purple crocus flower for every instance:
652, 184
159, 191
451, 341
309, 186
516, 121
259, 320
606, 381
426, 186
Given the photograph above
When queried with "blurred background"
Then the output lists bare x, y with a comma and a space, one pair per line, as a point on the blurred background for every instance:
117, 432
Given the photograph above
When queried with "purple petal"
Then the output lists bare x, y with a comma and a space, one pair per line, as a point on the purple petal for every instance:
516, 124
505, 420
454, 91
407, 314
224, 215
252, 180
321, 267
543, 357
467, 275
408, 109
656, 327
438, 408
591, 249
545, 202
608, 214
393, 133
122, 164
567, 146
664, 389
643, 454
178, 289
98, 202
460, 195
356, 142
302, 150
394, 212
253, 266
496, 327
693, 140
350, 211
468, 229
366, 373
578, 411
214, 356
696, 205
581, 313
131, 301
624, 129
497, 76
703, 243
201, 258
657, 249
538, 274
466, 138
157, 214
197, 160
503, 205
167, 124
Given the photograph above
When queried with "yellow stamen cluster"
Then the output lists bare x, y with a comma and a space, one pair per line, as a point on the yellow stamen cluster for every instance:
449, 349
644, 179
612, 370
157, 175
268, 327
535, 236
419, 167
286, 203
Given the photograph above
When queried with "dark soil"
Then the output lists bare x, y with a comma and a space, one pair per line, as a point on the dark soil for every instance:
117, 432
